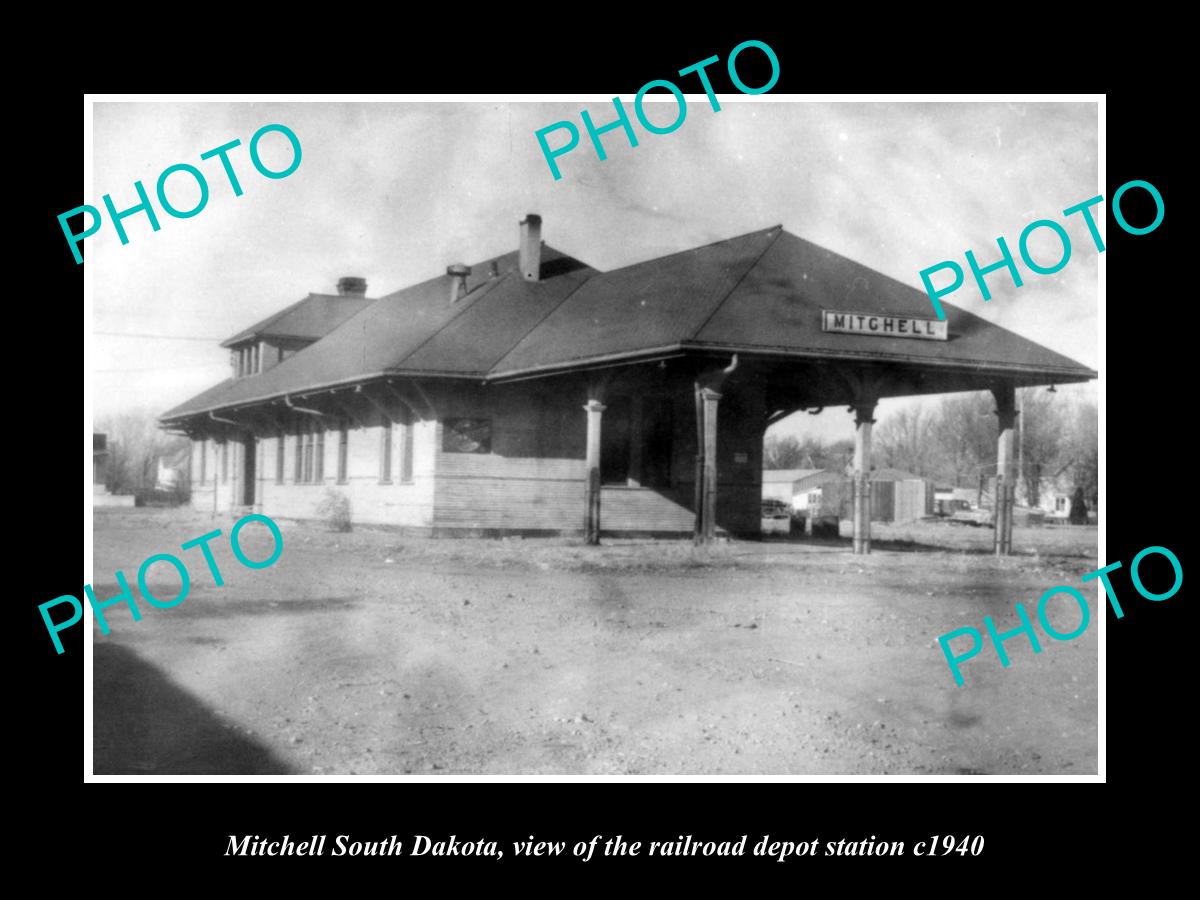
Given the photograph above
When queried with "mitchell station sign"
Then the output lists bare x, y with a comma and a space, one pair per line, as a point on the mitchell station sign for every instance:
884, 326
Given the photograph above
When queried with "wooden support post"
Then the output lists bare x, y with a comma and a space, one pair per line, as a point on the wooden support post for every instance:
698, 487
710, 399
591, 522
1006, 475
863, 412
707, 397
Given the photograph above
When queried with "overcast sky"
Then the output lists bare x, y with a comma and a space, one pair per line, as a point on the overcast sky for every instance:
396, 192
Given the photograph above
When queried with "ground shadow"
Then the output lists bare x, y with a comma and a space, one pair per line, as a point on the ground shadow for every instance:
899, 545
145, 725
846, 543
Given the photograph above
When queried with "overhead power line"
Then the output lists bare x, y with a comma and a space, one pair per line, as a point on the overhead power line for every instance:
172, 368
163, 337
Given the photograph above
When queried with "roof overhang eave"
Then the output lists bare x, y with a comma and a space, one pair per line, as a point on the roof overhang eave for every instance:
270, 398
1063, 374
1059, 374
653, 354
314, 389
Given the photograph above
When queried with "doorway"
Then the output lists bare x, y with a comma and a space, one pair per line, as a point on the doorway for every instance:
636, 442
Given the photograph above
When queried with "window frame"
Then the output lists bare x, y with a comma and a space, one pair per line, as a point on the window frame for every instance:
455, 435
309, 453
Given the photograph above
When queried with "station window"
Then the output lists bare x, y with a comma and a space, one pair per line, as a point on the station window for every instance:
310, 453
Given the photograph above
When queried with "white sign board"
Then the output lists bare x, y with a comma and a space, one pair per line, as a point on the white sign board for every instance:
884, 326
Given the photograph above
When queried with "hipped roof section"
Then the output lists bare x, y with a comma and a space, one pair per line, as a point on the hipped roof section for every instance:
762, 292
309, 319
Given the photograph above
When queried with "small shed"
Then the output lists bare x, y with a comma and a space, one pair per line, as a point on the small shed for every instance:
896, 496
780, 484
173, 469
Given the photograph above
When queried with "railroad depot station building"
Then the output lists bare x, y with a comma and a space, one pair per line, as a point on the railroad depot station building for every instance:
532, 394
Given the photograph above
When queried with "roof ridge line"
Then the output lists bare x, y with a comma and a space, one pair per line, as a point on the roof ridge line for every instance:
536, 324
737, 284
481, 263
334, 330
263, 323
693, 249
486, 289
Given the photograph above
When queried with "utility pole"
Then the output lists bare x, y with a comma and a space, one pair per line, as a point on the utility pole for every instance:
1021, 441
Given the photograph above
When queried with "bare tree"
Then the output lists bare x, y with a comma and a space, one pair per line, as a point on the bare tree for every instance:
782, 452
1042, 439
903, 441
962, 433
789, 452
1083, 449
135, 445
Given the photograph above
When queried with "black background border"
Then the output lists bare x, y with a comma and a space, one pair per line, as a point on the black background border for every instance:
1145, 680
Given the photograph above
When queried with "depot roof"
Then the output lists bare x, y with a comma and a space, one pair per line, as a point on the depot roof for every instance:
759, 293
308, 319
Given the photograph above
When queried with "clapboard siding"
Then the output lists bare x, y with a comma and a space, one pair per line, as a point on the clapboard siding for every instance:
516, 503
394, 503
532, 478
216, 494
371, 501
911, 500
644, 509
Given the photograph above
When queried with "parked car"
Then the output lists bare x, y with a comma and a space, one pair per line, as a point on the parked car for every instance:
776, 509
776, 517
974, 517
947, 508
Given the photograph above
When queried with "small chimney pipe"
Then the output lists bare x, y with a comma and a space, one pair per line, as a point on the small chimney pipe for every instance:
352, 286
530, 251
458, 280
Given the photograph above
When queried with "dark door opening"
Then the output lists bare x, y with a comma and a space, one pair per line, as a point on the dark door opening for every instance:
249, 475
636, 441
614, 442
657, 431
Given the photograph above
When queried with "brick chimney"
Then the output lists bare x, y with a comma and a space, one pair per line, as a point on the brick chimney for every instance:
530, 253
458, 280
352, 286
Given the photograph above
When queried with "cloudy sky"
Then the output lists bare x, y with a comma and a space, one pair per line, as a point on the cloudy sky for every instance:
395, 192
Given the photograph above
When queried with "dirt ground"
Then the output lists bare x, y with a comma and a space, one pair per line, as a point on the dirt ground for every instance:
369, 653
